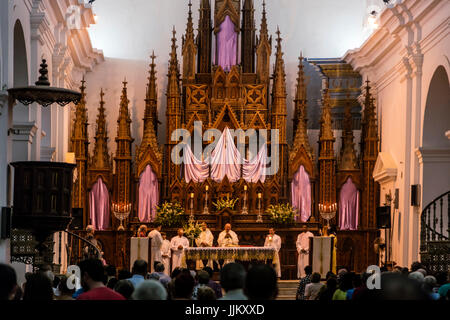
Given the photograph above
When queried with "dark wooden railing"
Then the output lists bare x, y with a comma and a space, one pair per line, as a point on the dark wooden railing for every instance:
434, 235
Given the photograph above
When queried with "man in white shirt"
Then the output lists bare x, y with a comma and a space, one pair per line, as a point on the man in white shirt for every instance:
204, 240
165, 253
227, 238
178, 244
273, 241
303, 252
156, 243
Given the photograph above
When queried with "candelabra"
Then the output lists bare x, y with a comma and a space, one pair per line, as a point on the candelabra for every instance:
121, 212
205, 209
244, 204
328, 212
259, 218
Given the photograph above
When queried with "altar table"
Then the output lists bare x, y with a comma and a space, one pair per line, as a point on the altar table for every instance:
232, 253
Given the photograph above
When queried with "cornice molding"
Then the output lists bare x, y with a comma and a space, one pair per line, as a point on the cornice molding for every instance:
433, 155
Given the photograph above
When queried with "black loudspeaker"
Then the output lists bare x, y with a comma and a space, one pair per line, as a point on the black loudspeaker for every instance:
384, 217
5, 223
77, 219
415, 190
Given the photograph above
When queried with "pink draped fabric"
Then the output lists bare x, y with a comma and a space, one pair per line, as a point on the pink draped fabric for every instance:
349, 206
301, 194
227, 45
148, 195
99, 206
226, 159
254, 171
194, 169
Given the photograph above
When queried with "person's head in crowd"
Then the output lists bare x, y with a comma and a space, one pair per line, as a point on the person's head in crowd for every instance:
140, 268
416, 266
315, 278
8, 282
175, 273
405, 271
112, 283
163, 235
90, 231
422, 271
183, 286
429, 283
38, 288
357, 281
209, 270
125, 288
142, 232
417, 276
232, 277
205, 294
398, 287
204, 226
158, 226
180, 232
124, 274
329, 275
308, 270
228, 227
48, 271
111, 271
346, 281
153, 276
63, 289
159, 267
271, 231
261, 283
203, 277
92, 273
398, 269
150, 290
384, 269
332, 284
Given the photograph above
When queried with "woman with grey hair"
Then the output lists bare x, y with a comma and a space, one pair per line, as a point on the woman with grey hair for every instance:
150, 290
416, 275
429, 286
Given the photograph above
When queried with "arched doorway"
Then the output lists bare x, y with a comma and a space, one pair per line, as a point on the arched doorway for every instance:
435, 145
20, 70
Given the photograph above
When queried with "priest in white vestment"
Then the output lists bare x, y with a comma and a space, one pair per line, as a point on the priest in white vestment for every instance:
303, 252
227, 238
178, 244
156, 243
204, 240
274, 241
166, 253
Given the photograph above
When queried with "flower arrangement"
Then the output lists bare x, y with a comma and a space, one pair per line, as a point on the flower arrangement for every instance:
192, 230
225, 203
282, 214
170, 215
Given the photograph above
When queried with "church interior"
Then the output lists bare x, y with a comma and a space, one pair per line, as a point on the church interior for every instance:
327, 118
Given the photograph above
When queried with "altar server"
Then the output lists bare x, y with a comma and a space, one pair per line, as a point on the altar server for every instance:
303, 252
156, 243
165, 253
204, 240
273, 241
178, 244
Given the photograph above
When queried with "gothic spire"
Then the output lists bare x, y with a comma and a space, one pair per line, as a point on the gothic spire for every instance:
348, 159
263, 49
301, 113
173, 88
204, 38
279, 76
248, 37
189, 48
151, 100
124, 121
100, 159
326, 121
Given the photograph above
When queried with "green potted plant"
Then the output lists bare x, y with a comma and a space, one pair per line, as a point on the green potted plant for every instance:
282, 214
170, 215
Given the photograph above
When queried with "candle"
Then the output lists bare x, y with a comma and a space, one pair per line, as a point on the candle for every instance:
207, 188
259, 195
245, 188
192, 196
